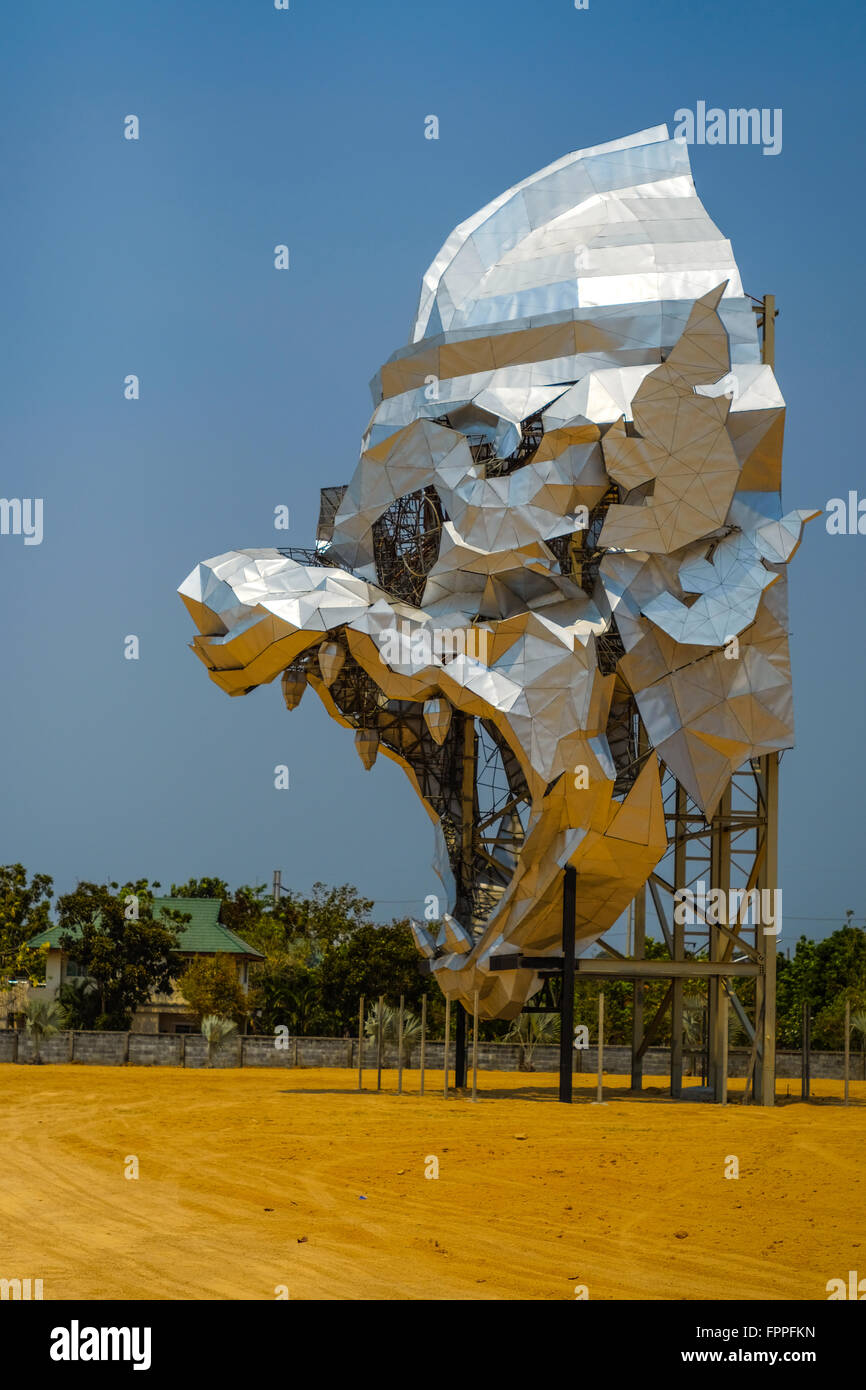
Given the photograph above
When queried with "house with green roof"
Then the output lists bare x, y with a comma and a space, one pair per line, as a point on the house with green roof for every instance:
203, 935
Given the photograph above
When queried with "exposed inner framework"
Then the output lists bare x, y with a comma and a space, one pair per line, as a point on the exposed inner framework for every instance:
472, 782
406, 543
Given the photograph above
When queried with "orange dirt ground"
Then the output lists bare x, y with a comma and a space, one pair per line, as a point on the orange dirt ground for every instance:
254, 1179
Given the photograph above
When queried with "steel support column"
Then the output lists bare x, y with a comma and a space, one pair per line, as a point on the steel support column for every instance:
679, 937
768, 876
460, 1049
566, 1001
720, 878
637, 992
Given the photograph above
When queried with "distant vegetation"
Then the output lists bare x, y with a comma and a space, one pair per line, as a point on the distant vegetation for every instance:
323, 951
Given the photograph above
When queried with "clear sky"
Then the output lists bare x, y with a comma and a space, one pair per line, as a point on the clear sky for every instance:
155, 257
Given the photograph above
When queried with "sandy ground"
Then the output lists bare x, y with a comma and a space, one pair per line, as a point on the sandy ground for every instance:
250, 1180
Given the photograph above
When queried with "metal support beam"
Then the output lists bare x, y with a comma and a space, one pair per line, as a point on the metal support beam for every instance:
679, 947
566, 1003
765, 1079
465, 905
765, 1004
720, 877
660, 1012
460, 1049
638, 950
637, 992
628, 969
467, 802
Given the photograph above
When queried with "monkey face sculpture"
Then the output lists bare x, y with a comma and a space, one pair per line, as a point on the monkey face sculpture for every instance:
560, 561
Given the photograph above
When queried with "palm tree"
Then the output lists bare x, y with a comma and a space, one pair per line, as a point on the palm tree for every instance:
215, 1030
858, 1025
530, 1031
391, 1026
411, 1033
371, 1025
42, 1019
693, 1020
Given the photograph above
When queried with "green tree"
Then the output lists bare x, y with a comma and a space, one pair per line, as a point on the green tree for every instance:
828, 1025
284, 991
372, 961
328, 917
822, 974
115, 939
201, 888
24, 908
210, 985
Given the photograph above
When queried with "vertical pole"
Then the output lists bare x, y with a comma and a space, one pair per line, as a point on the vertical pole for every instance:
379, 1043
361, 1043
768, 880
423, 1040
637, 992
679, 932
804, 1064
847, 1045
278, 883
704, 1032
447, 1042
723, 1024
808, 1050
467, 805
475, 1046
460, 1050
400, 1050
720, 878
467, 870
600, 1096
566, 1000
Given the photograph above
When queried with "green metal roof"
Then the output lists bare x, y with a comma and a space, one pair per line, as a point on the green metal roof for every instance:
204, 933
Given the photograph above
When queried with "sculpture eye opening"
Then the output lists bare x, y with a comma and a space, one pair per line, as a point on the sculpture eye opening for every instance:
406, 543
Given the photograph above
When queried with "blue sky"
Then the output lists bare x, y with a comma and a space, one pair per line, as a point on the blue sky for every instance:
155, 257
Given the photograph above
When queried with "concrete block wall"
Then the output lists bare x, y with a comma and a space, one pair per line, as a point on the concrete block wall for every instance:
190, 1050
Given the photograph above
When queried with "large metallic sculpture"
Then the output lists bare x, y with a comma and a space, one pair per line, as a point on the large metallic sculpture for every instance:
560, 562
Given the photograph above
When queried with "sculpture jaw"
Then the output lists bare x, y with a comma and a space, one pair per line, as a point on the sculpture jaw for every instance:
555, 789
